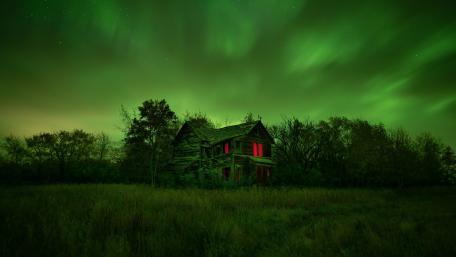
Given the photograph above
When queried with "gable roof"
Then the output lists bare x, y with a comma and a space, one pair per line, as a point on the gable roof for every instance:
213, 136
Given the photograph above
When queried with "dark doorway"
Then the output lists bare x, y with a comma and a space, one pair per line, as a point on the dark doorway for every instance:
226, 173
262, 174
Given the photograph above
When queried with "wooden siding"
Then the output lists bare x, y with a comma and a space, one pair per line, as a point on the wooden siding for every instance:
187, 150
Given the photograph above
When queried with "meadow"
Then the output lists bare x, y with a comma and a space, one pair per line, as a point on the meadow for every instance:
139, 220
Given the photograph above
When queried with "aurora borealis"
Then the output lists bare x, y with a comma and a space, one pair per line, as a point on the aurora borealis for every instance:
72, 64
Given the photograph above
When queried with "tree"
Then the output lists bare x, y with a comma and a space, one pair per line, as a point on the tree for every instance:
403, 158
449, 165
125, 120
148, 141
199, 119
83, 145
72, 147
368, 153
295, 151
429, 151
40, 146
15, 149
41, 150
334, 138
102, 146
249, 117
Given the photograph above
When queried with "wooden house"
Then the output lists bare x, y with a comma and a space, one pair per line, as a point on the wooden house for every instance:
235, 152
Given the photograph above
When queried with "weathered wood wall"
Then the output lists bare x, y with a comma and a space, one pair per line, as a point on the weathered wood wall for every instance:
187, 150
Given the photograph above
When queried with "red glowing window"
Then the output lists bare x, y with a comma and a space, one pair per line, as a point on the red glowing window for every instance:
255, 150
260, 150
227, 148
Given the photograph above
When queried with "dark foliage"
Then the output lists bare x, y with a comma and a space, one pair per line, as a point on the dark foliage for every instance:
65, 156
342, 152
148, 147
199, 119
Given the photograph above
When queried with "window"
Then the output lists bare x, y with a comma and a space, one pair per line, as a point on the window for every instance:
257, 149
227, 148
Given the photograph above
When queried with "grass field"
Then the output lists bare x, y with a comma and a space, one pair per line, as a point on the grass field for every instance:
133, 220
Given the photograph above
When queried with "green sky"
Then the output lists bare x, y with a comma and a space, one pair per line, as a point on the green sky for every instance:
73, 63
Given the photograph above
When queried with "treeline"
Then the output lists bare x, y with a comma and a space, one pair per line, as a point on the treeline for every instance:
343, 152
65, 156
337, 152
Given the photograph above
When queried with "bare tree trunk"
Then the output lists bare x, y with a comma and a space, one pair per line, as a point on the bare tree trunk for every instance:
152, 166
156, 167
152, 159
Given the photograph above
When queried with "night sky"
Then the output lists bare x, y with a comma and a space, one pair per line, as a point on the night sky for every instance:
73, 63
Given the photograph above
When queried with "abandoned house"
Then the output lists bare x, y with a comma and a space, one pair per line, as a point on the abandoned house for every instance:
239, 151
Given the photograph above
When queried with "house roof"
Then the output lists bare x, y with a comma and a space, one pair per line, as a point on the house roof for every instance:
216, 135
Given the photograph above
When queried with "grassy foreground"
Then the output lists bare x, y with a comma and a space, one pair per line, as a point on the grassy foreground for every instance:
132, 220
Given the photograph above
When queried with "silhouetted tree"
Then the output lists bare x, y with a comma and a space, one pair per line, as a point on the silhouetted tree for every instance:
449, 165
84, 145
334, 138
125, 120
148, 142
368, 153
15, 149
429, 151
403, 159
199, 119
248, 117
102, 146
70, 148
295, 151
41, 153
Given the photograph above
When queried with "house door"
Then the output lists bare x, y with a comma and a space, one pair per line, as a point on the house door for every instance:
262, 174
226, 173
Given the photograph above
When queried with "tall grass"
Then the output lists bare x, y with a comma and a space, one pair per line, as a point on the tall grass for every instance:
134, 220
